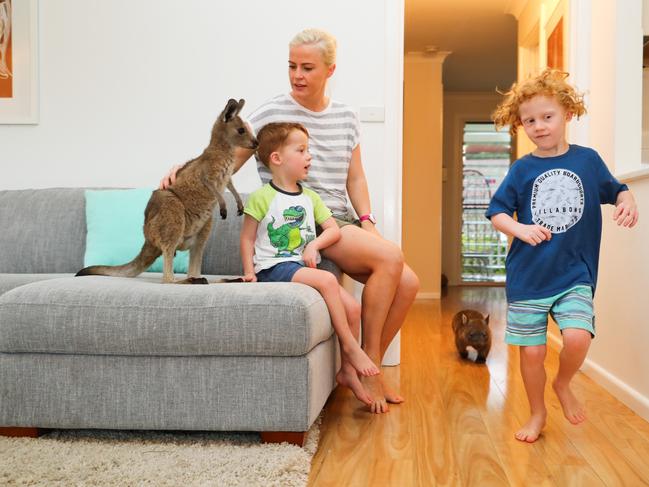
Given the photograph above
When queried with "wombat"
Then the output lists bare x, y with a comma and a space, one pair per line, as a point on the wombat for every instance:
471, 329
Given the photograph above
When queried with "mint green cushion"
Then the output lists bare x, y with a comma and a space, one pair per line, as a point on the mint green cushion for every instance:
115, 218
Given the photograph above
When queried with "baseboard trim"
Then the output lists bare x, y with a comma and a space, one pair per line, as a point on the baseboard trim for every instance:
619, 389
429, 295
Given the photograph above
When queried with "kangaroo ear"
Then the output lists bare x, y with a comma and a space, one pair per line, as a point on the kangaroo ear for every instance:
242, 102
230, 110
465, 320
486, 319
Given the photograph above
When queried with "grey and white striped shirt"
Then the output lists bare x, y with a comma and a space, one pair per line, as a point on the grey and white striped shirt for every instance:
333, 134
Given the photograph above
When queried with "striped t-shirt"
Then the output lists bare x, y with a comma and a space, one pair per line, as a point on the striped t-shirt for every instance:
333, 134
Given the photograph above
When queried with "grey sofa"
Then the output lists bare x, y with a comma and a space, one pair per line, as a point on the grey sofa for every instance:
119, 353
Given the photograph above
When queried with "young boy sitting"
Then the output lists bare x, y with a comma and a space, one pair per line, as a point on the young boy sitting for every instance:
556, 193
279, 242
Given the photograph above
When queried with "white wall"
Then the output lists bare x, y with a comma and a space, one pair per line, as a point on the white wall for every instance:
609, 34
128, 88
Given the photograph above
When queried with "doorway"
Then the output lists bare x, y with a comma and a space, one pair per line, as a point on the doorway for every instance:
486, 157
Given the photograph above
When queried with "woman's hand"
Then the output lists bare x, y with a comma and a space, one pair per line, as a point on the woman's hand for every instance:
170, 177
370, 227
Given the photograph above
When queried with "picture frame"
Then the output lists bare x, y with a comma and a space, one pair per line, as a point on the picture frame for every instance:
19, 100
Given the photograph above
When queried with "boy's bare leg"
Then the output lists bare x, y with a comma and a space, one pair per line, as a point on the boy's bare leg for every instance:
533, 372
347, 375
575, 346
328, 287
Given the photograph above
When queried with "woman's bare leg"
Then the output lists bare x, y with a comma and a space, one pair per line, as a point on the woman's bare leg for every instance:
403, 299
379, 264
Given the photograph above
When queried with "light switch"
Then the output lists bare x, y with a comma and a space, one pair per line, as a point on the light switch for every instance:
372, 114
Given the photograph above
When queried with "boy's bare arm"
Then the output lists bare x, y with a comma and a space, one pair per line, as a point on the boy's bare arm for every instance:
626, 210
531, 234
329, 236
247, 247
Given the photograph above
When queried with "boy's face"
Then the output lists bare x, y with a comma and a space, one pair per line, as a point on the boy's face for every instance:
544, 121
294, 157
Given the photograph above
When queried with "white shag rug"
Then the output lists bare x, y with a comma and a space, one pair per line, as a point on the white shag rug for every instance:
155, 458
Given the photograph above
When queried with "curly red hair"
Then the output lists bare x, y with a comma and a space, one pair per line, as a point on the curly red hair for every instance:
551, 82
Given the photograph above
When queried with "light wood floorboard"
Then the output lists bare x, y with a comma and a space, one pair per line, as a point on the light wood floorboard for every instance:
458, 422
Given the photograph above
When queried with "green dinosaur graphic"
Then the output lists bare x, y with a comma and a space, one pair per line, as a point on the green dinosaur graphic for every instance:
287, 237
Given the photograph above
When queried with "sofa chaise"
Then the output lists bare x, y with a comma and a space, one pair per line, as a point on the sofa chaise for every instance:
120, 353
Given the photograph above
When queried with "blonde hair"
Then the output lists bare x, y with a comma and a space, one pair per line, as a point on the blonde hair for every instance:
552, 83
272, 137
321, 39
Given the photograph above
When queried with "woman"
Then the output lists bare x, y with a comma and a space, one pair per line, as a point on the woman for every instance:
337, 172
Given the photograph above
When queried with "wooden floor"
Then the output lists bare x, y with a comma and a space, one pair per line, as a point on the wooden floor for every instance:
458, 422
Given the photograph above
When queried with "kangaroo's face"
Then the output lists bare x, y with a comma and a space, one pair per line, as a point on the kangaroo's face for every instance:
235, 130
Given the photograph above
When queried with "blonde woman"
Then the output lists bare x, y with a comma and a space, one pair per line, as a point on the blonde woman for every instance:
337, 175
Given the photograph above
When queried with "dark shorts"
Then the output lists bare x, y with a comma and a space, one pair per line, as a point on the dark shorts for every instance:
282, 272
340, 222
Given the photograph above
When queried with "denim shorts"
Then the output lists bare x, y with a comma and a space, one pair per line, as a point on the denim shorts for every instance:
527, 321
282, 272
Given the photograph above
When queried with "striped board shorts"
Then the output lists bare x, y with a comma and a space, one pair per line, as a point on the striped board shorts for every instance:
527, 321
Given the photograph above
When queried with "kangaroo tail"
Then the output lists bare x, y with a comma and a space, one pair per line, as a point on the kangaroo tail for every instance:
137, 266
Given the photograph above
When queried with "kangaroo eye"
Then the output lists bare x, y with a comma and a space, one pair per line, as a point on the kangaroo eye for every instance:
241, 131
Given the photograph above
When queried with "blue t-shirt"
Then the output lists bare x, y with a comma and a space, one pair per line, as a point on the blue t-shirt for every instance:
562, 194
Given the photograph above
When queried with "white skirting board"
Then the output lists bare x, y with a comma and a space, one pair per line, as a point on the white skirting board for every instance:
619, 389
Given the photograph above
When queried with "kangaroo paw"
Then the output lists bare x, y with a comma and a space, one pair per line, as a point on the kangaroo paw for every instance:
193, 280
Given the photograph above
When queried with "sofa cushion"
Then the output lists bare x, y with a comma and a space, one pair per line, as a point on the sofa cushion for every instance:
43, 230
10, 281
114, 221
141, 316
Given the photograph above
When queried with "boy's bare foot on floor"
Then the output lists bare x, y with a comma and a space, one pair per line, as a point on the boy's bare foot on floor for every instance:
532, 429
572, 408
373, 386
360, 361
348, 377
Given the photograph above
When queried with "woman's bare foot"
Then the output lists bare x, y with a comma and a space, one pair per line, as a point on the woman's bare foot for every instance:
347, 377
373, 386
359, 359
390, 395
532, 429
572, 408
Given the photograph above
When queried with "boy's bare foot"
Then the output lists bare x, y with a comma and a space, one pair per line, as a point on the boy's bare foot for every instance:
572, 408
347, 377
373, 387
532, 429
390, 395
359, 360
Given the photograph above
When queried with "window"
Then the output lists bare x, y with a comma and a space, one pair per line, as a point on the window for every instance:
486, 159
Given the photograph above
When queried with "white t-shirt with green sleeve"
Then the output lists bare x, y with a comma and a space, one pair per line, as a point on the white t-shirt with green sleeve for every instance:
287, 222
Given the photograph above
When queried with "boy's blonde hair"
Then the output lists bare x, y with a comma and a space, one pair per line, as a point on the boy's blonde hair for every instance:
551, 82
271, 137
321, 39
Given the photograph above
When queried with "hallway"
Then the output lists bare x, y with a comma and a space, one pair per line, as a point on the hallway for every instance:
458, 422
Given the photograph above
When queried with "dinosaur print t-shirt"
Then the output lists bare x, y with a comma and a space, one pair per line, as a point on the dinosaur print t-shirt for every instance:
287, 222
563, 194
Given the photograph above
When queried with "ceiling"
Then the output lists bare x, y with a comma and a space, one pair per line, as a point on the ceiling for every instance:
479, 34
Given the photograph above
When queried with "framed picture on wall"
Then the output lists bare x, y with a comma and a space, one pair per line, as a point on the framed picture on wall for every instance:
18, 61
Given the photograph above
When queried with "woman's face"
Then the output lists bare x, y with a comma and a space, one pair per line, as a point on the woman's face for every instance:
307, 71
